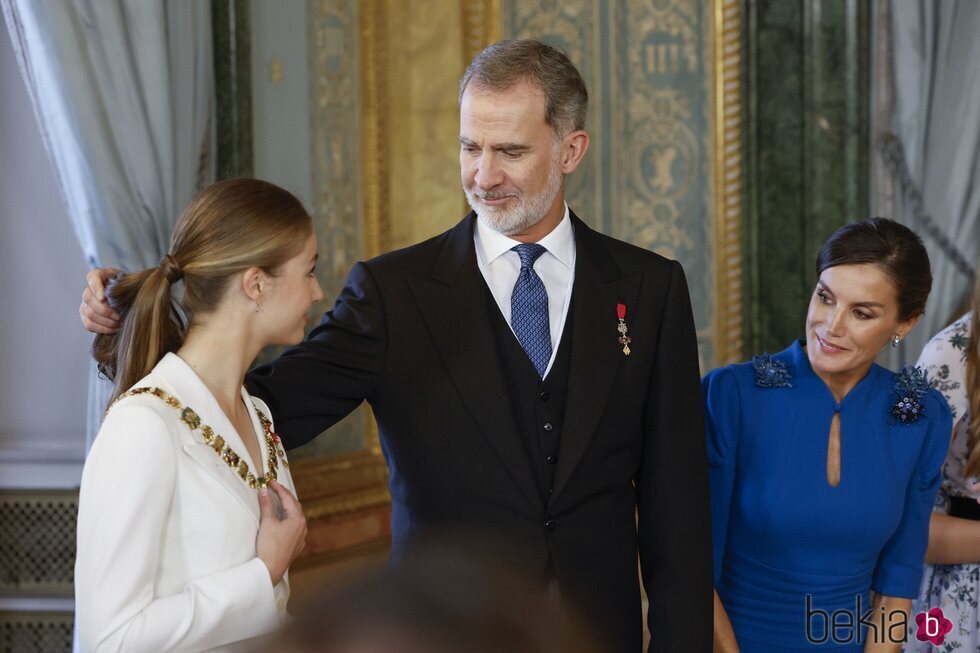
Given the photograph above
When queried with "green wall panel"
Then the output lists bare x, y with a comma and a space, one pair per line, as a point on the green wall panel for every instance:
806, 87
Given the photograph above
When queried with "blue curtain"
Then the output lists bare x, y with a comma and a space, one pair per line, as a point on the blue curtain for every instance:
935, 128
123, 93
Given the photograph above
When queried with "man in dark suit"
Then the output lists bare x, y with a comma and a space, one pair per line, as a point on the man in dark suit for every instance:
530, 376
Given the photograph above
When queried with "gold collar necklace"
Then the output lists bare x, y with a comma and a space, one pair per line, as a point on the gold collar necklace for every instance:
216, 442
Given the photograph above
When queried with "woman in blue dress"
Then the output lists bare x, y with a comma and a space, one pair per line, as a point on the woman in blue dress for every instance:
824, 466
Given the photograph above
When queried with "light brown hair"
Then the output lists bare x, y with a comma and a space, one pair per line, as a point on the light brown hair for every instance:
972, 467
502, 65
227, 228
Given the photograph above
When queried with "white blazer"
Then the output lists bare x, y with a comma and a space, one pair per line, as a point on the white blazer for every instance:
166, 529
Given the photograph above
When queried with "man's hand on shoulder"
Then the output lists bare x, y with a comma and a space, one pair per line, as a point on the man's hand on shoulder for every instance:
97, 316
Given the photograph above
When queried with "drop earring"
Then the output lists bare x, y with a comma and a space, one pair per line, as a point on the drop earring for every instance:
895, 340
258, 309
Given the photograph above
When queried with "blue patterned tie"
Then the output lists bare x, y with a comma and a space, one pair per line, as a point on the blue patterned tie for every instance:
529, 309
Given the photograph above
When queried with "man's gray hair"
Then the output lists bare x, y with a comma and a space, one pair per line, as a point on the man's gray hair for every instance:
503, 65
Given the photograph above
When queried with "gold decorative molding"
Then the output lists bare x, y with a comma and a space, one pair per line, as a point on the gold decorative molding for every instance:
481, 26
375, 165
727, 186
341, 484
276, 71
366, 552
348, 511
342, 505
376, 217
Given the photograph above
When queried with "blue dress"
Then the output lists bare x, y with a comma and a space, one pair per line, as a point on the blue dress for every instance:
789, 548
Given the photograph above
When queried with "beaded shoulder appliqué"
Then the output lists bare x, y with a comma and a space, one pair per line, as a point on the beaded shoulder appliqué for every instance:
216, 442
770, 373
911, 385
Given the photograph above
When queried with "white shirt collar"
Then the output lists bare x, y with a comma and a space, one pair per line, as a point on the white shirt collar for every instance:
560, 242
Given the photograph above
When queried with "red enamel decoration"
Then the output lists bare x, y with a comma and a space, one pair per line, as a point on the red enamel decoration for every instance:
621, 311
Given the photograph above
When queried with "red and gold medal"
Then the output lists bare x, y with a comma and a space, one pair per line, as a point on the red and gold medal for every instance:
624, 339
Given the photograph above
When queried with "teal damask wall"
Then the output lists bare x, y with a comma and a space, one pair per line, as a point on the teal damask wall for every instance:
647, 178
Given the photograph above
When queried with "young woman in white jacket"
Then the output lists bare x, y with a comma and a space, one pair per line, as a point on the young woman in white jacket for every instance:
188, 519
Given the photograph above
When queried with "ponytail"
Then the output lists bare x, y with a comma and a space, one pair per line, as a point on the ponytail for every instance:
227, 228
150, 325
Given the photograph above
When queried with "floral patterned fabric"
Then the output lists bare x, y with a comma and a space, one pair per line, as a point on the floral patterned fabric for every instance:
953, 588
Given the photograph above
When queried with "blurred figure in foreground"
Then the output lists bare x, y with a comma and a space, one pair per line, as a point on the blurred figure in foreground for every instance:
439, 598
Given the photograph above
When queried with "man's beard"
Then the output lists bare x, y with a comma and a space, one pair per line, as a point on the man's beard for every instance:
527, 210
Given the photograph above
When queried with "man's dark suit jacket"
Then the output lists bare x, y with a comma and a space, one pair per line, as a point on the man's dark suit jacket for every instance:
411, 333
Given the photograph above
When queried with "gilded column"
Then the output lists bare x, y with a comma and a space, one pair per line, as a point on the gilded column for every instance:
727, 132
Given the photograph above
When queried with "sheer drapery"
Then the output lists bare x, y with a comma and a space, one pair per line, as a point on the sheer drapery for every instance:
934, 133
123, 93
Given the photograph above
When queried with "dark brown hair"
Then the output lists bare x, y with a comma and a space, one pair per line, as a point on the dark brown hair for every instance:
891, 246
227, 228
502, 65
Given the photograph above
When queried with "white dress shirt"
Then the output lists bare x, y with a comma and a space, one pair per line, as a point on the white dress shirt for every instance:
500, 267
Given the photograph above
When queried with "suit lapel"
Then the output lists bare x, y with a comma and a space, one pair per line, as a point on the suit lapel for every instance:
596, 354
454, 306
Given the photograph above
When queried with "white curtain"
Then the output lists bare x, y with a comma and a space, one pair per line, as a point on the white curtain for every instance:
123, 93
935, 136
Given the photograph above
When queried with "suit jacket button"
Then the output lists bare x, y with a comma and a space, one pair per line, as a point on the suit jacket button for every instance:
544, 396
551, 460
549, 525
548, 426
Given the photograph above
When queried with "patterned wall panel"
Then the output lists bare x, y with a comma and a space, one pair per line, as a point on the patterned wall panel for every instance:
335, 164
575, 27
650, 66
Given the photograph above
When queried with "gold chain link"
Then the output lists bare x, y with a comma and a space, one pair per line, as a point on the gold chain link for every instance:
216, 442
